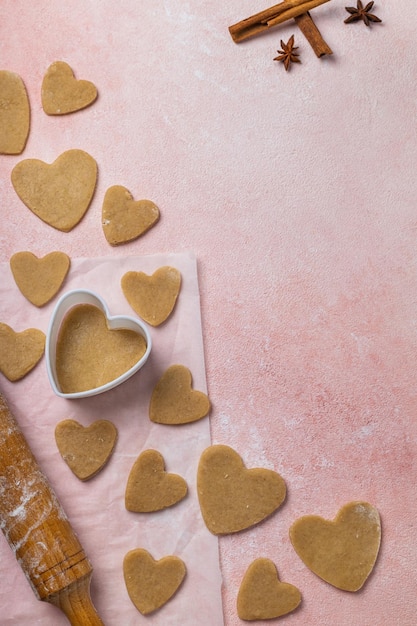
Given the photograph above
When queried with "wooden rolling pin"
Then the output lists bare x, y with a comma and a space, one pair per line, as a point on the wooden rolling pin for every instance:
38, 531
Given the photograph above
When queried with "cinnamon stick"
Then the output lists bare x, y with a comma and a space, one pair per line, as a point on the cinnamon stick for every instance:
310, 31
277, 14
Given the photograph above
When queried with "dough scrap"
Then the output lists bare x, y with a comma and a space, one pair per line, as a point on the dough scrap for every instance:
58, 193
232, 497
342, 551
20, 351
39, 279
174, 401
85, 449
262, 595
14, 113
89, 354
123, 218
153, 297
149, 487
62, 93
150, 583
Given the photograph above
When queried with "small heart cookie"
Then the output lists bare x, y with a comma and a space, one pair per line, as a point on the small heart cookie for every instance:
232, 497
342, 551
174, 401
89, 354
153, 297
20, 352
58, 193
62, 93
262, 595
124, 219
85, 450
150, 583
14, 113
149, 487
39, 280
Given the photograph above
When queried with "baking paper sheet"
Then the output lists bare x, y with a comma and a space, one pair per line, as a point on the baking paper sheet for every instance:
96, 508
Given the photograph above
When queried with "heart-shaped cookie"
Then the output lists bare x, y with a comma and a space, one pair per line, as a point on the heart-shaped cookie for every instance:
58, 193
342, 551
97, 350
150, 583
149, 487
85, 449
89, 354
62, 93
232, 497
123, 218
174, 401
152, 297
14, 113
20, 352
262, 595
39, 280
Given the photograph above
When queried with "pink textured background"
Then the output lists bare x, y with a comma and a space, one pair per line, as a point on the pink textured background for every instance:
297, 193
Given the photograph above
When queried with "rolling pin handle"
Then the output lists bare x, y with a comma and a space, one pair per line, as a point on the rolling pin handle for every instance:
76, 604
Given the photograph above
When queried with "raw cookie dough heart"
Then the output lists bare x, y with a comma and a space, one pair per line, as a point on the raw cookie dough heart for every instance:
262, 595
62, 93
20, 352
232, 497
39, 279
58, 193
152, 297
342, 551
150, 583
89, 354
14, 113
174, 401
85, 450
149, 487
124, 219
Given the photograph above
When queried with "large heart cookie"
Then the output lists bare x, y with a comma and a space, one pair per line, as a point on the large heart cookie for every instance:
85, 449
174, 401
89, 351
123, 218
39, 280
152, 297
58, 193
14, 113
20, 352
262, 595
62, 93
232, 497
150, 583
149, 487
342, 551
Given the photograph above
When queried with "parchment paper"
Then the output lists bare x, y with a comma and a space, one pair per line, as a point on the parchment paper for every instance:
96, 508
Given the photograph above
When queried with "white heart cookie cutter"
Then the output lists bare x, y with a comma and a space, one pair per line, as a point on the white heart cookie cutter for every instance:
85, 296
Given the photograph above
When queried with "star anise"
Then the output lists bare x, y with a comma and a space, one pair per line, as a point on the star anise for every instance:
361, 13
287, 54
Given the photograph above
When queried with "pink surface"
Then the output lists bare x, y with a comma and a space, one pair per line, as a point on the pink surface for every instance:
296, 191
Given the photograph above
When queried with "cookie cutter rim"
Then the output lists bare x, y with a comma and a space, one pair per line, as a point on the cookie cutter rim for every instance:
86, 296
